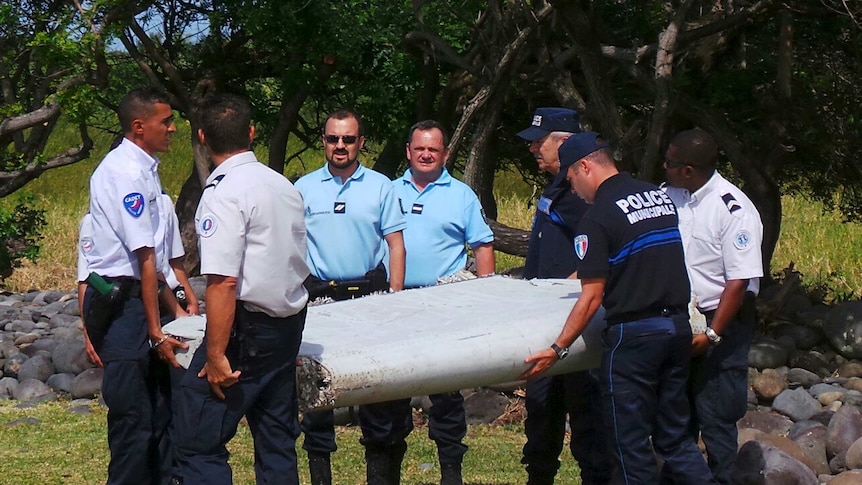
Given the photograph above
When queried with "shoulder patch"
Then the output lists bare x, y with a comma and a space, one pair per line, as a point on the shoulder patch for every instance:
134, 204
207, 226
742, 239
86, 244
731, 203
582, 242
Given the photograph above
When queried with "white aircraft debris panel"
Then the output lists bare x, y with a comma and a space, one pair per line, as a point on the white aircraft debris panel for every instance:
436, 339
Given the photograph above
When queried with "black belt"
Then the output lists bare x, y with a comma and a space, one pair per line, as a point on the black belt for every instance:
129, 287
648, 313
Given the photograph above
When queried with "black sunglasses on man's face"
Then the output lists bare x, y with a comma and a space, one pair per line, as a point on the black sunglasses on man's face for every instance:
347, 139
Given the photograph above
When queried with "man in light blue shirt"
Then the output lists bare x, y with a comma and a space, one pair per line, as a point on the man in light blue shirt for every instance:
350, 211
443, 216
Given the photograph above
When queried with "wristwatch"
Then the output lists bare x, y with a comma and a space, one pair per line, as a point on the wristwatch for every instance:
561, 352
714, 338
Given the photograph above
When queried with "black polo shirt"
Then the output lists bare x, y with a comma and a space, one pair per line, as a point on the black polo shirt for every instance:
630, 237
551, 252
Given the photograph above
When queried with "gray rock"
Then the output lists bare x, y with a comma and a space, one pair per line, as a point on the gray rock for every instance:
30, 389
796, 304
791, 448
814, 317
843, 329
820, 388
52, 296
845, 427
812, 361
71, 308
20, 326
787, 343
803, 377
796, 404
26, 339
801, 427
484, 406
804, 338
38, 367
7, 387
836, 464
768, 422
61, 382
852, 397
69, 356
67, 333
34, 402
29, 420
43, 344
13, 364
61, 320
87, 384
764, 464
766, 354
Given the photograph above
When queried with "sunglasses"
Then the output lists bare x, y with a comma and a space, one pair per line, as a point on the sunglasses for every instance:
670, 164
347, 139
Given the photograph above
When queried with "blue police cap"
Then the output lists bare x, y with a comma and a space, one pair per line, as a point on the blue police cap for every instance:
579, 146
547, 120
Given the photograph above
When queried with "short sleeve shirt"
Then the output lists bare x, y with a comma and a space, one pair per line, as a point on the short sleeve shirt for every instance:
173, 240
722, 235
124, 207
347, 221
551, 252
630, 237
250, 226
441, 220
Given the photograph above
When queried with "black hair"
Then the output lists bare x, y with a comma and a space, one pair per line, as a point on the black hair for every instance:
138, 103
225, 120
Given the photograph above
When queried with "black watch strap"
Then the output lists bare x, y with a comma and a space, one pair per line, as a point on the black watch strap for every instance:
561, 352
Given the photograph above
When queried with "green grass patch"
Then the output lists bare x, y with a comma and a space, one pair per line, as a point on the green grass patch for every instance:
48, 444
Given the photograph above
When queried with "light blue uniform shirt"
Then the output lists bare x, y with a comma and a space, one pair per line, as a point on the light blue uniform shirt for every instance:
440, 221
346, 222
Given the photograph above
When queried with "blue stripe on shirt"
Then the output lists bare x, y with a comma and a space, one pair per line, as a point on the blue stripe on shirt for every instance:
658, 237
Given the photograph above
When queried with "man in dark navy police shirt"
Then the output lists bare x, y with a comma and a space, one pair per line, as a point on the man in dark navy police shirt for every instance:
631, 260
551, 254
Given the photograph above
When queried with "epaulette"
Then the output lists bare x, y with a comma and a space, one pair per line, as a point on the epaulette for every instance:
215, 182
731, 203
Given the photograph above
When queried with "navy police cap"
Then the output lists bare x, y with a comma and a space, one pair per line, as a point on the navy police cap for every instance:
547, 120
579, 146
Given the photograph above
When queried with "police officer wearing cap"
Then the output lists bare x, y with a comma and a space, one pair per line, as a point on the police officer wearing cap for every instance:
631, 261
551, 254
443, 216
252, 245
722, 233
123, 250
354, 220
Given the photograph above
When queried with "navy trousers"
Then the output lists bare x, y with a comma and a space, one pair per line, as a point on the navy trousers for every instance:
386, 424
265, 394
447, 426
319, 430
548, 401
138, 414
718, 389
644, 378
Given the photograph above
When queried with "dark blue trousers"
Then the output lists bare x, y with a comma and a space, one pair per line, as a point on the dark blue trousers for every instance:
718, 389
548, 401
265, 394
385, 425
644, 377
319, 430
447, 426
137, 411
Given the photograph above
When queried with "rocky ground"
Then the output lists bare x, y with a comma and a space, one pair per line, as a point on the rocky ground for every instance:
804, 424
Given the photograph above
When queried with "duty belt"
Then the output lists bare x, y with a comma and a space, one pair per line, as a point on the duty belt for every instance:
129, 287
648, 313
